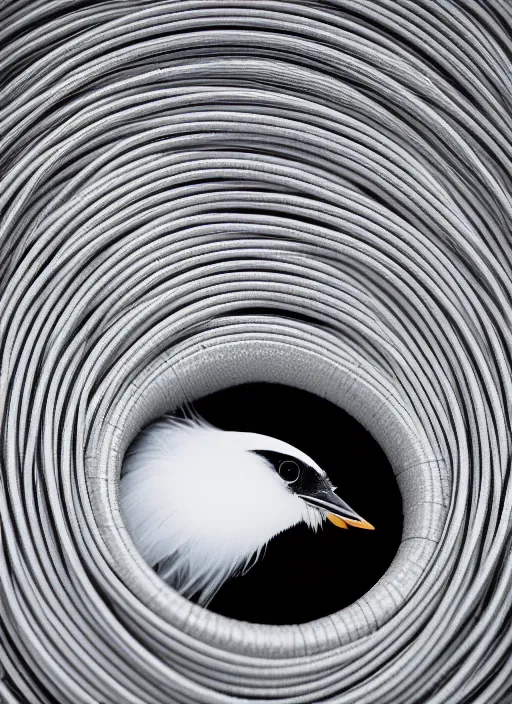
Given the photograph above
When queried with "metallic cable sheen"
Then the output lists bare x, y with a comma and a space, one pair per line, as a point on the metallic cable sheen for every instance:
199, 193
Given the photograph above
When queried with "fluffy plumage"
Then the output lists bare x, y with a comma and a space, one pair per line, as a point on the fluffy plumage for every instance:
201, 505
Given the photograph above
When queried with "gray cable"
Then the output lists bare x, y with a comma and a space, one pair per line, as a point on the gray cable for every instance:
169, 167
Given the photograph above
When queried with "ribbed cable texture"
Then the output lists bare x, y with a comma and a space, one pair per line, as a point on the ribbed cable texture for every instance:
201, 193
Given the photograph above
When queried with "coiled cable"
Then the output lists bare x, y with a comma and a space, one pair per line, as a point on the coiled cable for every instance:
197, 194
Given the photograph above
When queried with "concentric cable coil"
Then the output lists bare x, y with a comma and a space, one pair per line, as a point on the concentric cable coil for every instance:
201, 194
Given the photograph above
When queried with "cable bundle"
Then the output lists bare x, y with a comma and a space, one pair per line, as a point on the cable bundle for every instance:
198, 194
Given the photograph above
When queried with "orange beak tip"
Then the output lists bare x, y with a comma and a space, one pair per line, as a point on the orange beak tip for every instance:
360, 524
346, 522
367, 526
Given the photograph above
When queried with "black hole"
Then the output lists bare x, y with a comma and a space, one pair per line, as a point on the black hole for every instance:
303, 575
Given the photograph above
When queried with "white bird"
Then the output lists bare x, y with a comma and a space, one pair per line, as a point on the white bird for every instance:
201, 503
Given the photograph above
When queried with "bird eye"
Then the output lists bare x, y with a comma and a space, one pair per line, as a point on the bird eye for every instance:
289, 471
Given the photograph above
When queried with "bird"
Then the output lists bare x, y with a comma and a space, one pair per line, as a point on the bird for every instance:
201, 504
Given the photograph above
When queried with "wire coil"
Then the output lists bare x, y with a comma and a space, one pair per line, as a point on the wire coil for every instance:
170, 173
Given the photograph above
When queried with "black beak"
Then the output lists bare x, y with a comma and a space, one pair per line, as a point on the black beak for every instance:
338, 512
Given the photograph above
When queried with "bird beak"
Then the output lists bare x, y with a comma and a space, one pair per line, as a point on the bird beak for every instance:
338, 512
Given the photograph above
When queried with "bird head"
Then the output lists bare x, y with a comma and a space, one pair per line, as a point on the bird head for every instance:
300, 477
201, 503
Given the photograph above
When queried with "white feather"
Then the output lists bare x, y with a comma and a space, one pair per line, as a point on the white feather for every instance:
201, 505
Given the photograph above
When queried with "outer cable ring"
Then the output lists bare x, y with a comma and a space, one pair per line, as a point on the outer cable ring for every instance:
168, 170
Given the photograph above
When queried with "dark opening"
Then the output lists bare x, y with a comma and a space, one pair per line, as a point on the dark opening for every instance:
306, 575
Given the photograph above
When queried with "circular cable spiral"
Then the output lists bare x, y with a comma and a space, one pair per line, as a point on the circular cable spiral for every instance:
201, 193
